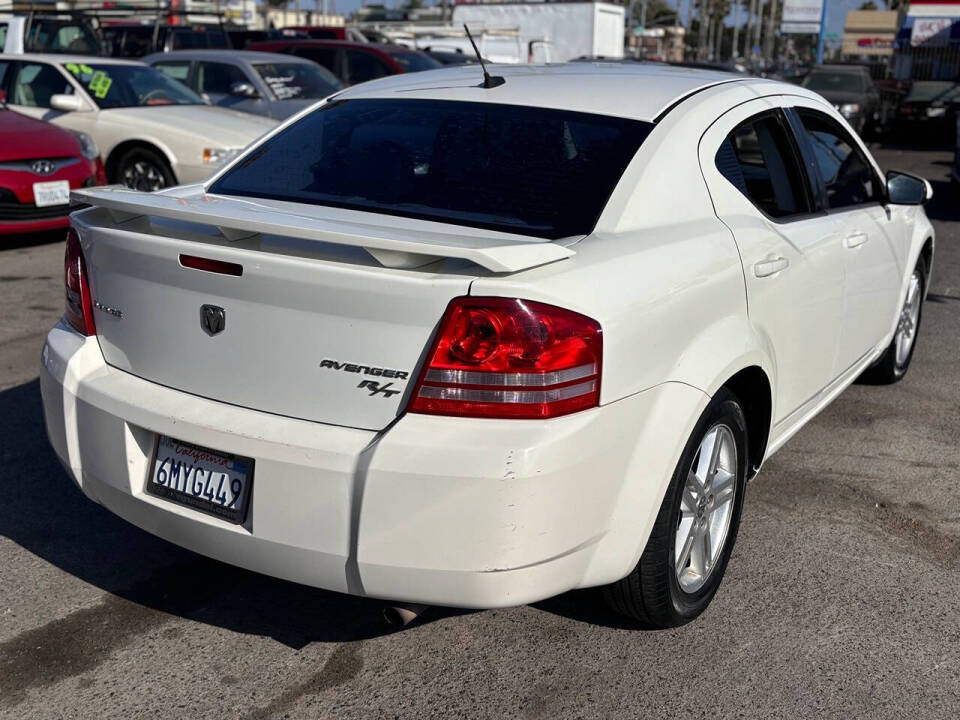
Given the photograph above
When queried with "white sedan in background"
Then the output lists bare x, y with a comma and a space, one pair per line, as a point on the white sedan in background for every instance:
152, 131
478, 343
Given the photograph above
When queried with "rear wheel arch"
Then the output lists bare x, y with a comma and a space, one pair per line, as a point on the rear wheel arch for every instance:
123, 148
755, 393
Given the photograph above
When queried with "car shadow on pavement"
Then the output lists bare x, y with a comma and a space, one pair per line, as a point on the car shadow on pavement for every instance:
25, 240
42, 511
587, 606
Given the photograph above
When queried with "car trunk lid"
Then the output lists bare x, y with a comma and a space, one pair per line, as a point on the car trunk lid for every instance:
328, 320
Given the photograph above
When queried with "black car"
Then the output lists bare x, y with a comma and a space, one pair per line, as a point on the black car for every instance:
929, 112
851, 90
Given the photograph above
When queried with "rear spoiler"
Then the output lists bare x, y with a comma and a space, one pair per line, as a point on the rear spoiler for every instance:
237, 219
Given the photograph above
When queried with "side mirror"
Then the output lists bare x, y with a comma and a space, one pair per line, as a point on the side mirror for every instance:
904, 189
244, 89
67, 103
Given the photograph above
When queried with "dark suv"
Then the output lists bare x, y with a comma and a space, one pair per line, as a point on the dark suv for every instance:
851, 90
352, 62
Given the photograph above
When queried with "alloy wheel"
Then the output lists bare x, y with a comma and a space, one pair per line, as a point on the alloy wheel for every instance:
906, 332
706, 508
143, 175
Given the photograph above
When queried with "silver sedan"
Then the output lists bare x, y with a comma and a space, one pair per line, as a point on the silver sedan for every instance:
268, 84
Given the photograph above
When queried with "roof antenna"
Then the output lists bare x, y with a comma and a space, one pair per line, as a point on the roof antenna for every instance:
489, 81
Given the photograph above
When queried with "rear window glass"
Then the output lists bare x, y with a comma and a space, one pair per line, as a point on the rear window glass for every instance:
531, 171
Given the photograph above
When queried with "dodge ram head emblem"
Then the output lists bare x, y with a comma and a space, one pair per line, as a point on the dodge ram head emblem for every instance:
212, 319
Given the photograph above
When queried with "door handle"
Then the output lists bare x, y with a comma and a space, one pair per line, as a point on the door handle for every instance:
855, 239
770, 266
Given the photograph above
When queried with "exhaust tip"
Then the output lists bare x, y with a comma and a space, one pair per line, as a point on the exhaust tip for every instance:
402, 614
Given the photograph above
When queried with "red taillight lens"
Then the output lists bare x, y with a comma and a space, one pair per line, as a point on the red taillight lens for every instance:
507, 358
79, 311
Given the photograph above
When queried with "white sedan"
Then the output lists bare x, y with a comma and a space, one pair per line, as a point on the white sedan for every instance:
152, 131
444, 343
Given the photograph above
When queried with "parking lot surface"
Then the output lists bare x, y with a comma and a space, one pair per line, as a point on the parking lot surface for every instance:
841, 599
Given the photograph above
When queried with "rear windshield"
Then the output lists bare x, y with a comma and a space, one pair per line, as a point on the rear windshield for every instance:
531, 171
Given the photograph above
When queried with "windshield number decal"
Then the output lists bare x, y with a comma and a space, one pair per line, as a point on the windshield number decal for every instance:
100, 85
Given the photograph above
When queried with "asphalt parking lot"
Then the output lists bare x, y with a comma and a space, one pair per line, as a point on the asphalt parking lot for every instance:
842, 598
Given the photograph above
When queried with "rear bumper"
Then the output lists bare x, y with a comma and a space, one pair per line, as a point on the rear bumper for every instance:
460, 512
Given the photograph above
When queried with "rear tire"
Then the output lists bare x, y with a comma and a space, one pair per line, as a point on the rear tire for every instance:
895, 361
656, 594
143, 169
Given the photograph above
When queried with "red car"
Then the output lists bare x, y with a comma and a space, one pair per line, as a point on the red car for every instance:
350, 61
39, 165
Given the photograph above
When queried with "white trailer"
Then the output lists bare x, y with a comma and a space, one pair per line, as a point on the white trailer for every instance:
552, 32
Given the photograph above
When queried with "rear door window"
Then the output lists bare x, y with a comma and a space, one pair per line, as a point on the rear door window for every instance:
847, 175
759, 159
532, 171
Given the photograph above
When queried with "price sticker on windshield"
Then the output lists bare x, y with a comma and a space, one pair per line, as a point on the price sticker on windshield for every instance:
100, 85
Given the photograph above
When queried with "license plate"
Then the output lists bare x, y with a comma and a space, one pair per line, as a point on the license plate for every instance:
56, 192
197, 477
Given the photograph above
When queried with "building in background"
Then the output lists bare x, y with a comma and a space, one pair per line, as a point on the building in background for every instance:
927, 46
869, 34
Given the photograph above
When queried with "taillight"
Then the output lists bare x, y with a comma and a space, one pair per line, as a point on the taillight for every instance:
79, 307
508, 358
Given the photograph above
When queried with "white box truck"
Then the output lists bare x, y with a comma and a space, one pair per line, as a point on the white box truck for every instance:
551, 31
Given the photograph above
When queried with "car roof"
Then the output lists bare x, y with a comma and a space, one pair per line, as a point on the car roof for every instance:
640, 91
61, 58
228, 56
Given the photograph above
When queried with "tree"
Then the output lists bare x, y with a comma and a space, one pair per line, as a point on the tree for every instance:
657, 12
868, 5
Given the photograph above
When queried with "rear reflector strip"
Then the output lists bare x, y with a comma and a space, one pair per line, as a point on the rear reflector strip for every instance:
209, 265
467, 377
525, 397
